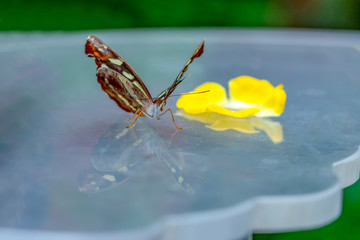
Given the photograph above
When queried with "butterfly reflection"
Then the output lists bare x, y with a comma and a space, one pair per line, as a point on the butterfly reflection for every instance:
122, 153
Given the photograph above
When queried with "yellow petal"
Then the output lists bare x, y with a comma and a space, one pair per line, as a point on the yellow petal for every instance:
198, 103
191, 104
238, 114
245, 90
274, 106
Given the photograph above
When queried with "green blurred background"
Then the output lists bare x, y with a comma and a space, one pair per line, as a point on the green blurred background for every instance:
110, 14
71, 15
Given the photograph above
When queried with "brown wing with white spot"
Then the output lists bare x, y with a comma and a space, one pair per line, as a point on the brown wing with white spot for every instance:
116, 77
129, 97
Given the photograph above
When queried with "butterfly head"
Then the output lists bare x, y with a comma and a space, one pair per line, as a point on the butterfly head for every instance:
161, 104
156, 109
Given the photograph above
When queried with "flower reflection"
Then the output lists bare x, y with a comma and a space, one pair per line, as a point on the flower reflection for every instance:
248, 125
121, 153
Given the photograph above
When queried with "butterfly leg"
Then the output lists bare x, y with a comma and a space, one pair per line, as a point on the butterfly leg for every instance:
172, 115
135, 119
128, 119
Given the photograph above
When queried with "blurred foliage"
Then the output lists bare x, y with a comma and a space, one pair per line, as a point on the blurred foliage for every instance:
112, 14
345, 227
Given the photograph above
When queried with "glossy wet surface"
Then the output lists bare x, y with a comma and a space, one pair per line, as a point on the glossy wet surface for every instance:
69, 163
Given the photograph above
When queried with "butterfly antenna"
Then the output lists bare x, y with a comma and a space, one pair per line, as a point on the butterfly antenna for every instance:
182, 79
176, 95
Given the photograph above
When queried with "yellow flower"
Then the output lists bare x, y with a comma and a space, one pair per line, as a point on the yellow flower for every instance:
198, 103
248, 97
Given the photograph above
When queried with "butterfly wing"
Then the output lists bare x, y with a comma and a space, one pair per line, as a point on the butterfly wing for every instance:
116, 77
166, 93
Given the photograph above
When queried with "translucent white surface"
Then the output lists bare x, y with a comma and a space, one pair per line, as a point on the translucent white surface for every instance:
70, 168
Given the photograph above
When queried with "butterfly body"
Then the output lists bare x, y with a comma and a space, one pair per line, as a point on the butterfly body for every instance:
155, 110
125, 87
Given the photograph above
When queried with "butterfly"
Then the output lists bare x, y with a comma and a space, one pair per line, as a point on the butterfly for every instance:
125, 87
